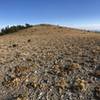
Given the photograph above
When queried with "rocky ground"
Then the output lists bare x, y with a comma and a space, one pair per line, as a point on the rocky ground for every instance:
50, 63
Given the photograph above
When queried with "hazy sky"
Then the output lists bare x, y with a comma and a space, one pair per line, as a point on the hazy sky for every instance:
82, 13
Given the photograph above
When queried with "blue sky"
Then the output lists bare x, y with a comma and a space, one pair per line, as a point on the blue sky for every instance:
75, 13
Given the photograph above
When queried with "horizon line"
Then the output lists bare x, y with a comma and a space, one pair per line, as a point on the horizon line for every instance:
93, 27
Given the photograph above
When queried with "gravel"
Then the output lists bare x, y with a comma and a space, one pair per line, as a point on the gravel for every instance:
50, 63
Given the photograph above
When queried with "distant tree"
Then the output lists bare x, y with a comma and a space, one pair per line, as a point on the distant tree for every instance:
28, 25
12, 29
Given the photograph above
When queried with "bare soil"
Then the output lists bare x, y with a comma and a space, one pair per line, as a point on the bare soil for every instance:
50, 63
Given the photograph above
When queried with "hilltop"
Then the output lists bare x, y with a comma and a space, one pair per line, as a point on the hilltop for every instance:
49, 62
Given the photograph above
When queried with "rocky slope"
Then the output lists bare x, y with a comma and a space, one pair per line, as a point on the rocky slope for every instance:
50, 63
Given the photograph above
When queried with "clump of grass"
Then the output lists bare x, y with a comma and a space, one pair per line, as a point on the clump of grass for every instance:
80, 84
74, 66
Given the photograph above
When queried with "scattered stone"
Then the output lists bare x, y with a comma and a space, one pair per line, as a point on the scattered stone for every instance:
45, 64
29, 40
14, 45
98, 48
29, 59
93, 51
44, 86
30, 85
97, 73
97, 92
19, 98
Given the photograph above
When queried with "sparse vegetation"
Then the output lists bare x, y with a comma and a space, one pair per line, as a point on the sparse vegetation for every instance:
51, 63
80, 84
12, 29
